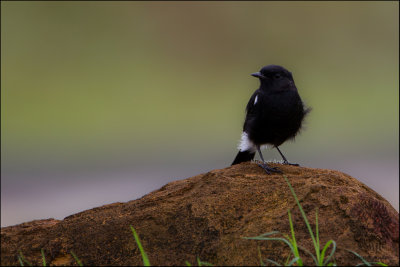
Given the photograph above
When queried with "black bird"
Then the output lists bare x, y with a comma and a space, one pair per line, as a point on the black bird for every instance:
273, 115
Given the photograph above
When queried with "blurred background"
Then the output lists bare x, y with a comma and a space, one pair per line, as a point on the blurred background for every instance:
104, 102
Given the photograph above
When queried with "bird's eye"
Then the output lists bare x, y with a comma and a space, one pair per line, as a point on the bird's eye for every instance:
277, 76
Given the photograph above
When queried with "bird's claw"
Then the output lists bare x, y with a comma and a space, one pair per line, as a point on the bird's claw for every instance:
268, 169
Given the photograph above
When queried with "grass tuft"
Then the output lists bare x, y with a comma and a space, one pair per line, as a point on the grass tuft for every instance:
319, 258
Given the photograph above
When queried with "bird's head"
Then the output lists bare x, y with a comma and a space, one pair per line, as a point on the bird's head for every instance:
275, 78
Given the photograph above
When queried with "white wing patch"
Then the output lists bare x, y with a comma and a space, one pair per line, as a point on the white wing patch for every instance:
245, 143
255, 101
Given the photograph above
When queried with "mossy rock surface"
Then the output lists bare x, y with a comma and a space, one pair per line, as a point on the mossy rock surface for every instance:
207, 215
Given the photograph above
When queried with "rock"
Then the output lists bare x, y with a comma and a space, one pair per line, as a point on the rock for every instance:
207, 215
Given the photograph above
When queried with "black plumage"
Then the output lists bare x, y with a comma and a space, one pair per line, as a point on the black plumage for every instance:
274, 114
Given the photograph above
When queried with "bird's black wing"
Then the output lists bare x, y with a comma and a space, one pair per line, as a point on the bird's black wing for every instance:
252, 109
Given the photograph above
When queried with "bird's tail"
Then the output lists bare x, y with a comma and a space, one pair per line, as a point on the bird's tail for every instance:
243, 156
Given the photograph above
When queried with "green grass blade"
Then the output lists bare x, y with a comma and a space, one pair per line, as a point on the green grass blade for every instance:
43, 257
325, 249
321, 259
372, 263
204, 263
269, 233
294, 260
20, 261
293, 241
287, 260
359, 256
379, 263
21, 256
259, 255
78, 261
273, 239
309, 253
288, 238
187, 263
273, 262
146, 261
317, 251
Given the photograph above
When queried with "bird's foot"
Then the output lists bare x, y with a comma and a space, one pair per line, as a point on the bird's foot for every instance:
269, 169
285, 162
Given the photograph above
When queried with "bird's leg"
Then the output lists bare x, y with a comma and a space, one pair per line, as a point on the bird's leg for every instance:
285, 161
265, 166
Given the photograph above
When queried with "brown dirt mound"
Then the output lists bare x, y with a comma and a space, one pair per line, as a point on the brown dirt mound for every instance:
207, 215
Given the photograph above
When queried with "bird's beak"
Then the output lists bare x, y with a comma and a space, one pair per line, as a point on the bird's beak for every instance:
258, 75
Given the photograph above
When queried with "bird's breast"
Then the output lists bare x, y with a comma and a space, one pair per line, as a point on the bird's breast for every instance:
278, 118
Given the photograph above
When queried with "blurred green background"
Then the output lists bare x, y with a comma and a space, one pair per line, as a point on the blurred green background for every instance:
106, 101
